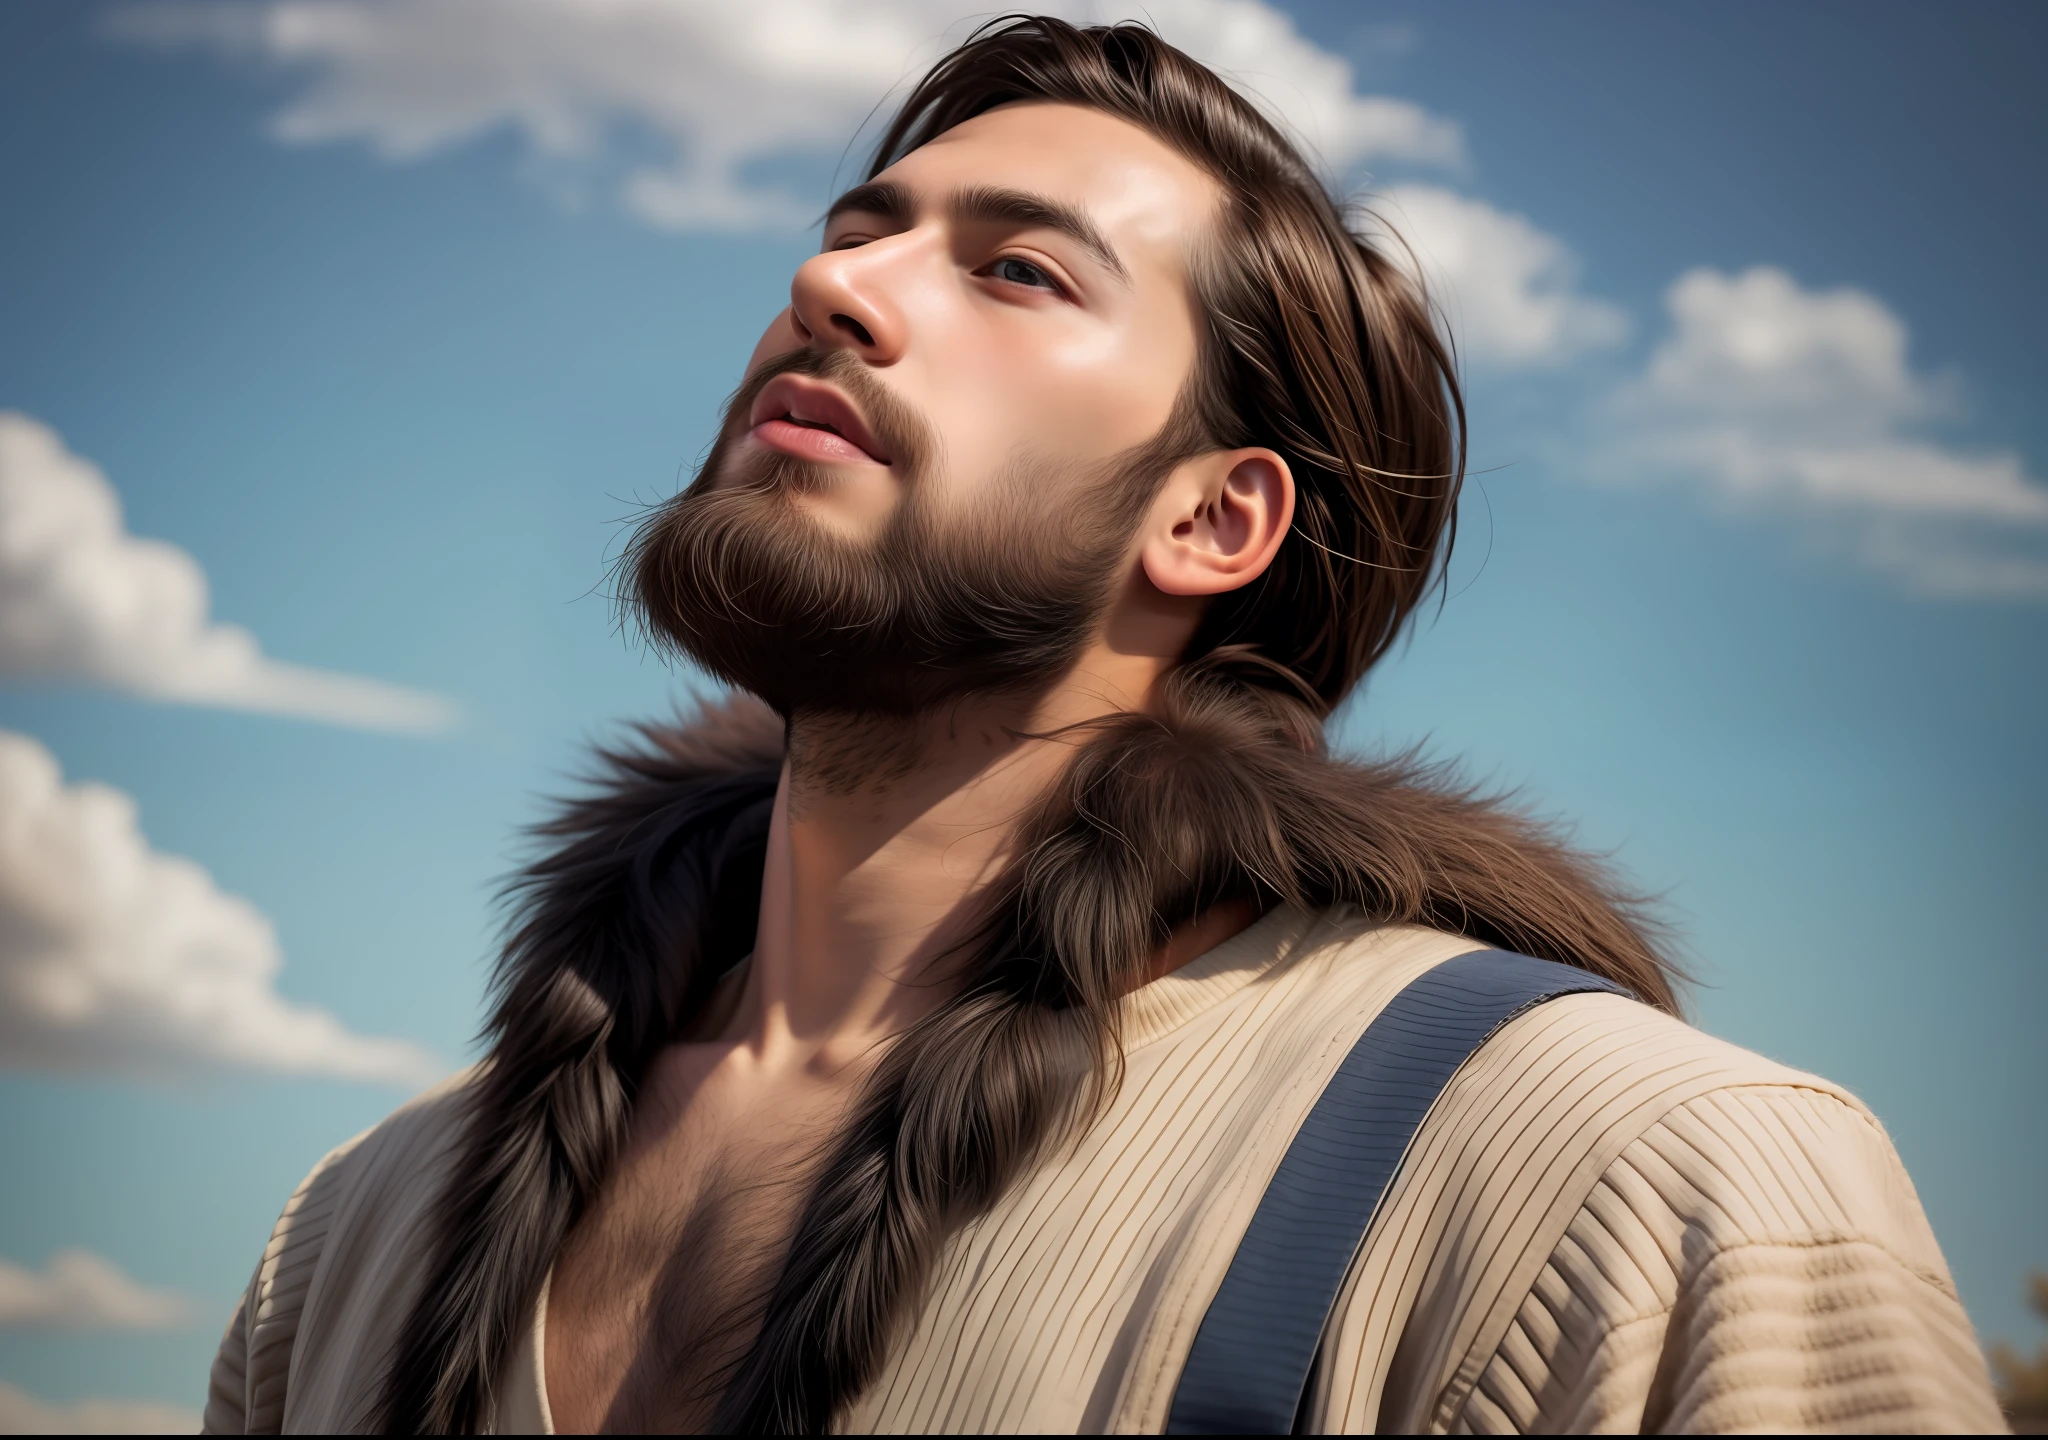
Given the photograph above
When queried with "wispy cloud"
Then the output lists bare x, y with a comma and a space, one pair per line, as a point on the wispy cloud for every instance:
703, 92
22, 1414
116, 957
1797, 402
1509, 289
82, 599
77, 1290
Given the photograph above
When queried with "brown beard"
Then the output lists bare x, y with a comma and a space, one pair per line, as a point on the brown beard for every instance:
733, 574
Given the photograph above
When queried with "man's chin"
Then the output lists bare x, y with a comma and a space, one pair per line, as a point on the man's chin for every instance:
853, 509
756, 468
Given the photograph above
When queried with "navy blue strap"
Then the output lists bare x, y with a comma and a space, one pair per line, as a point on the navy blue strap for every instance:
1251, 1359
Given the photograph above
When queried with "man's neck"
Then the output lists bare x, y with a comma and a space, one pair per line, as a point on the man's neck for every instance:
885, 835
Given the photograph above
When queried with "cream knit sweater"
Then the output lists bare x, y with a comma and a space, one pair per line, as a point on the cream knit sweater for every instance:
1610, 1222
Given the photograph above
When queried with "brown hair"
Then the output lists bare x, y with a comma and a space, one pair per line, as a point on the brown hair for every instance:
1317, 346
1315, 343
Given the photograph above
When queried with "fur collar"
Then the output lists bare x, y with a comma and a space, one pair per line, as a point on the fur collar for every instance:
647, 889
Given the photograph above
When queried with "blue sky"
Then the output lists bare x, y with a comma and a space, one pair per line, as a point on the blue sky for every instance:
1753, 588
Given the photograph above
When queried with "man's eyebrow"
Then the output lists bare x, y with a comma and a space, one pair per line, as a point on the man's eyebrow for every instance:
994, 205
884, 198
986, 205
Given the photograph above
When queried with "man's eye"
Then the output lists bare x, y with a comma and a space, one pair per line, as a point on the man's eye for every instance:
1022, 272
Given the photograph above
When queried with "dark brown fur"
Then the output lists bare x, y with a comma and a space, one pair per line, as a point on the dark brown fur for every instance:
654, 893
1313, 344
1226, 795
650, 892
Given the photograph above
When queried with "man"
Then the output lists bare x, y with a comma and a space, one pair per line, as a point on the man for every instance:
910, 1045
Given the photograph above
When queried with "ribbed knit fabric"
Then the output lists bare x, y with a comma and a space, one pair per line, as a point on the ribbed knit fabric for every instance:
1609, 1222
1756, 1262
250, 1376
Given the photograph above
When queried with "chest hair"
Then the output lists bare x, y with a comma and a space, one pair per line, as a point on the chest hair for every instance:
668, 1284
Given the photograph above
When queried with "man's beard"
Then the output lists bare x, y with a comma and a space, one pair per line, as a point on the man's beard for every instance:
735, 575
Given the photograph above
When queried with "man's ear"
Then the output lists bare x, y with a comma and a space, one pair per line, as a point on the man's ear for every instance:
1218, 521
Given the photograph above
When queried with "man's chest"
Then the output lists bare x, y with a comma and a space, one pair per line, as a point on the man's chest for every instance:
657, 1291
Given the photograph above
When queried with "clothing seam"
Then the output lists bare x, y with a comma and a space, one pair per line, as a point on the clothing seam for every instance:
1817, 1241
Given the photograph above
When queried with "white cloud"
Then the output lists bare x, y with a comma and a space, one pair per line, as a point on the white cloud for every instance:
1310, 91
116, 957
1775, 396
1758, 345
1508, 288
705, 90
22, 1414
79, 1290
82, 599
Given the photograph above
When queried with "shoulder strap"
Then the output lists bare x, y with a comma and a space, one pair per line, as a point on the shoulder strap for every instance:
1257, 1344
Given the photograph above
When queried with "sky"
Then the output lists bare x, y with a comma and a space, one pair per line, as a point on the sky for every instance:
338, 341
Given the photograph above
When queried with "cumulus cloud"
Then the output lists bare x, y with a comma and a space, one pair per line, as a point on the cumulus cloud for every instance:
1509, 289
22, 1414
78, 1290
1311, 92
1776, 396
116, 957
704, 92
82, 599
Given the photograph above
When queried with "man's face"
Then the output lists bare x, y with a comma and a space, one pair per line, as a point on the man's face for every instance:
1021, 284
994, 329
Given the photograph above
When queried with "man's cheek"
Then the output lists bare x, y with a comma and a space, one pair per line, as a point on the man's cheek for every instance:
777, 340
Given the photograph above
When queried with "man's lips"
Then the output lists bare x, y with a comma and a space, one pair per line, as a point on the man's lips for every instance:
802, 416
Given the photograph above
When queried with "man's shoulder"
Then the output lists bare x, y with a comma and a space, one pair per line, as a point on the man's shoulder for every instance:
339, 1257
1605, 1073
368, 1177
1597, 1046
1613, 1046
1580, 1076
1599, 1164
410, 1137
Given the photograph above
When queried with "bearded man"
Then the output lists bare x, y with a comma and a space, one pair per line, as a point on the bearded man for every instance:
989, 1018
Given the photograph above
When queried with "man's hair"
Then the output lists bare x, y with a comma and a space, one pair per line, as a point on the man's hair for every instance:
1313, 342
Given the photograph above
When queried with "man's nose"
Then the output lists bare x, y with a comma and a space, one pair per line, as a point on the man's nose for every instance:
843, 299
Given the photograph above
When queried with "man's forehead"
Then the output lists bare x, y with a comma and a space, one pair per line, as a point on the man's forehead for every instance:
1134, 187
